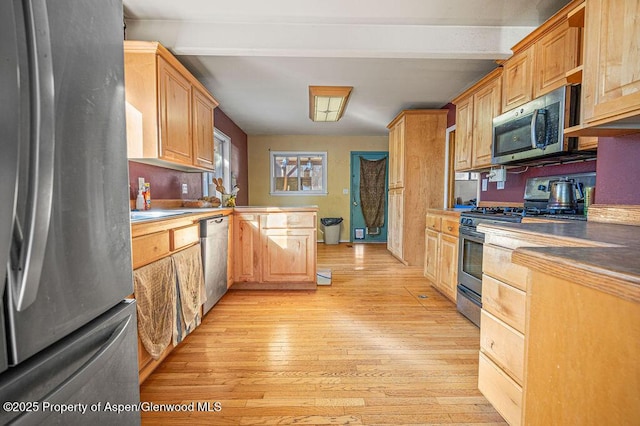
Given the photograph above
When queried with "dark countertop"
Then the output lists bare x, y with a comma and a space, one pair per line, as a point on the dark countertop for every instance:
598, 255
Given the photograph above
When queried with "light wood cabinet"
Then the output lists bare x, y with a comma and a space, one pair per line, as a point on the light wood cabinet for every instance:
517, 80
556, 53
173, 110
441, 254
611, 81
416, 152
396, 145
464, 133
274, 250
581, 352
502, 331
247, 256
203, 129
394, 231
475, 110
155, 240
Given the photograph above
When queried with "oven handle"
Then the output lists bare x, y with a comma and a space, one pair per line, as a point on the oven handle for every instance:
470, 234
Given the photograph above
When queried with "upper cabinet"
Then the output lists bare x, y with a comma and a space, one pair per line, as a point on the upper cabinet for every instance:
541, 61
556, 53
172, 108
517, 79
475, 110
611, 77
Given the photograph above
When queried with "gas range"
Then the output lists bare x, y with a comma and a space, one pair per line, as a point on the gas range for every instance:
478, 215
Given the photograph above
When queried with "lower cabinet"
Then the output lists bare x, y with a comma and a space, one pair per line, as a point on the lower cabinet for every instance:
151, 243
441, 251
275, 250
502, 327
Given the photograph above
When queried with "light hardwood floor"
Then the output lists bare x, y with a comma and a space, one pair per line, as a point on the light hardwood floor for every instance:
368, 349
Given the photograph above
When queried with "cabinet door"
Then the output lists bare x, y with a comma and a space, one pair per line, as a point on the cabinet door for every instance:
448, 265
202, 130
393, 133
517, 80
611, 81
555, 54
486, 106
174, 98
464, 134
288, 255
396, 155
431, 255
396, 222
246, 252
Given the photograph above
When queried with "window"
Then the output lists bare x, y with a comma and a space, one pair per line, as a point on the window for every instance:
221, 164
298, 173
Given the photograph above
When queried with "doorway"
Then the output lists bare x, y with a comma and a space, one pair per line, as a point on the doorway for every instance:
359, 232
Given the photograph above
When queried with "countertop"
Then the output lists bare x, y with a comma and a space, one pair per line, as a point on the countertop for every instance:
449, 211
192, 215
598, 255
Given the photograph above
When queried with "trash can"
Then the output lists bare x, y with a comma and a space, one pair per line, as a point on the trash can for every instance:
331, 229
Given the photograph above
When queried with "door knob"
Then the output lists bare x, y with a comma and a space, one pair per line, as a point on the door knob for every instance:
355, 203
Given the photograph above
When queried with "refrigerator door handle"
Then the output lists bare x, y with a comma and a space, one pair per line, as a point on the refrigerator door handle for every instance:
24, 277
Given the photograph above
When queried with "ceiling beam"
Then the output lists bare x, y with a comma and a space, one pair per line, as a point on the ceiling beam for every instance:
330, 40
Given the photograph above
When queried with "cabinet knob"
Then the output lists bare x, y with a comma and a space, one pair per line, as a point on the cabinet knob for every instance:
450, 228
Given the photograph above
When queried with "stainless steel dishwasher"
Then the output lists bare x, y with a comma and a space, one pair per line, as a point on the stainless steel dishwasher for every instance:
214, 235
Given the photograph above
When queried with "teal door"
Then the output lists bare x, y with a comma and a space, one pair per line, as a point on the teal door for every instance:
359, 231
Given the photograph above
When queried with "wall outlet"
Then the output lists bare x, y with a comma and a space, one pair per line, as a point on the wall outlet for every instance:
185, 188
485, 183
498, 175
500, 185
345, 191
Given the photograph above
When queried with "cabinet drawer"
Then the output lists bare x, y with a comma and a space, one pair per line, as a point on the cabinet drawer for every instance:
496, 262
502, 392
148, 248
185, 236
502, 344
288, 220
504, 301
450, 227
433, 223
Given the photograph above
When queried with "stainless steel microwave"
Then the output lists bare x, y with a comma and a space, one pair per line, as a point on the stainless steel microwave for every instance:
535, 129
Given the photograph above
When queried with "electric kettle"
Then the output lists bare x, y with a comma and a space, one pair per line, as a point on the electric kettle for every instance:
562, 194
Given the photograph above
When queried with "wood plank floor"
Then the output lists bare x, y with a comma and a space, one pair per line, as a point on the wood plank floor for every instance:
369, 349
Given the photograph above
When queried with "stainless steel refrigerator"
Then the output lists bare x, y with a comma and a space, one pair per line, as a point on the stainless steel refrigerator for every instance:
67, 336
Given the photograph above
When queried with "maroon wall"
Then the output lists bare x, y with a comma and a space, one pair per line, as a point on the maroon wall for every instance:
618, 174
514, 186
166, 184
239, 158
451, 116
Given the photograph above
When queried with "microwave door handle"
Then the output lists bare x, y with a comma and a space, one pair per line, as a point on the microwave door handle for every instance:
534, 120
28, 271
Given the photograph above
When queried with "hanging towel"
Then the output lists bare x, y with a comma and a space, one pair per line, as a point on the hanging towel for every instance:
372, 191
155, 291
191, 291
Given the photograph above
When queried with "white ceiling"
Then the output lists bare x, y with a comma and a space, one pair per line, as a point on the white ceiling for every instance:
258, 57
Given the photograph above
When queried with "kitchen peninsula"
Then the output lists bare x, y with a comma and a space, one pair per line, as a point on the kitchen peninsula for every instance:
269, 248
581, 324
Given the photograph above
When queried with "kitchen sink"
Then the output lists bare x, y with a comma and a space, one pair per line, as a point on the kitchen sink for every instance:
137, 216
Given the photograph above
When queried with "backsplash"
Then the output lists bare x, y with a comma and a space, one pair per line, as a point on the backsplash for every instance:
166, 184
514, 186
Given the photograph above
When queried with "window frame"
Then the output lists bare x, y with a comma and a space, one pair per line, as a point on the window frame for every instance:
298, 154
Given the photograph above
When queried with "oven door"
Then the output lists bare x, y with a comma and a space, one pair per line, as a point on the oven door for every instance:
470, 259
